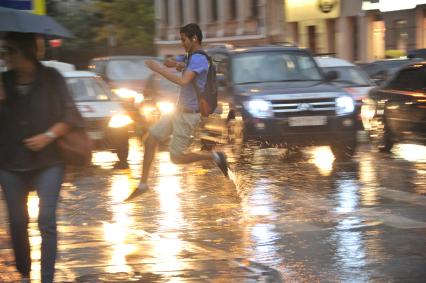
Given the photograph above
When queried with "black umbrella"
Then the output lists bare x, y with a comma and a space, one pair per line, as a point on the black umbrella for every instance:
21, 21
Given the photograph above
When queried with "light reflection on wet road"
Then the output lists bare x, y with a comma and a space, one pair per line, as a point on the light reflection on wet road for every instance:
301, 216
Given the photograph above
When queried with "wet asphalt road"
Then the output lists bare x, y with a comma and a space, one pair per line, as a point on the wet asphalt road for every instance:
296, 217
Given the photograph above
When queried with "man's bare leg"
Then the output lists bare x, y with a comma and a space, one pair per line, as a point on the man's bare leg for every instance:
150, 147
191, 157
149, 153
216, 156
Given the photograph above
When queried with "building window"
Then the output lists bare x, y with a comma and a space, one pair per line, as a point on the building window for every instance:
401, 35
254, 9
166, 12
312, 38
233, 9
197, 11
355, 43
331, 35
214, 10
181, 15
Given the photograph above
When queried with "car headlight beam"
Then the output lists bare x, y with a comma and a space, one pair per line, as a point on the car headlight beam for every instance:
259, 108
119, 121
126, 93
344, 105
165, 107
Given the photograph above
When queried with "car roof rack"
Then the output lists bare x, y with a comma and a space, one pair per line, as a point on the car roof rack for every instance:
221, 45
331, 54
285, 43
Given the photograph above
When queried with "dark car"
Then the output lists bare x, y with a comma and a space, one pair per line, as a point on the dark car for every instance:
2, 66
381, 70
278, 95
399, 108
160, 97
126, 76
417, 53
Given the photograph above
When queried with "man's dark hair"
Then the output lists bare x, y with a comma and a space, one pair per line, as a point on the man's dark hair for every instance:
26, 43
191, 30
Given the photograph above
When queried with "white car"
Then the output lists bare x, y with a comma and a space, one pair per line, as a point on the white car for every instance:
350, 77
107, 122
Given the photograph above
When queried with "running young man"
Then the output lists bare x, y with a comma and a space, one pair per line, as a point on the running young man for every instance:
182, 123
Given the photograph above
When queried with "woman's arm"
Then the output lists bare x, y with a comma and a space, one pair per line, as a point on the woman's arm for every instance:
38, 142
67, 118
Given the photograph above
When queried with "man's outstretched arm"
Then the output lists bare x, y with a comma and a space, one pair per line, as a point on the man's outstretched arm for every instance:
184, 80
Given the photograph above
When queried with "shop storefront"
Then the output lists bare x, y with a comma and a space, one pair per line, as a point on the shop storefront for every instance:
324, 26
311, 23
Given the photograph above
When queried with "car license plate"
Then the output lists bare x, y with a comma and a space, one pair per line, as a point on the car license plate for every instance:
96, 135
307, 121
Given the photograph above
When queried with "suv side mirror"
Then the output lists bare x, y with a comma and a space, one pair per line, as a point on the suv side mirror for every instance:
380, 77
331, 75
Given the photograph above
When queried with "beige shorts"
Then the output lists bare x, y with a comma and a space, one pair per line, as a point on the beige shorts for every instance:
181, 126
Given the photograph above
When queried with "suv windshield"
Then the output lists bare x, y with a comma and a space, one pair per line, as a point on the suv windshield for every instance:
88, 89
274, 67
135, 69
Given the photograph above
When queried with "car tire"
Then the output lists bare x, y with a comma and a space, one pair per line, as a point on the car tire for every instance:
121, 146
385, 144
380, 136
123, 151
344, 150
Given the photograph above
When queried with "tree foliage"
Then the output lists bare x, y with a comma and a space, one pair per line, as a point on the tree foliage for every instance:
103, 27
81, 21
127, 25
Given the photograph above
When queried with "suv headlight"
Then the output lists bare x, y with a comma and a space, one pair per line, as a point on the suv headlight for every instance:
119, 120
259, 108
344, 105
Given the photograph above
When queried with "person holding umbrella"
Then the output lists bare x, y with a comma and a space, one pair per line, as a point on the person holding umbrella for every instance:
36, 110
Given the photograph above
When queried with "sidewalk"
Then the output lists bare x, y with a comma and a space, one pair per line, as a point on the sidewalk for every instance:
203, 268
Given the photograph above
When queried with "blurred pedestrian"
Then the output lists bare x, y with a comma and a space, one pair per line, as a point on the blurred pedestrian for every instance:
182, 123
37, 109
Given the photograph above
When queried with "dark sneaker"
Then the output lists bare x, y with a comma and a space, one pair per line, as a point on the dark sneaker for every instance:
140, 190
220, 159
121, 165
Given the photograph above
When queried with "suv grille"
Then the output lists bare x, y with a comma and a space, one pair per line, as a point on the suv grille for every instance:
304, 107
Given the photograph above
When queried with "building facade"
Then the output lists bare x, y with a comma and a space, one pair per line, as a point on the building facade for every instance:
357, 30
392, 27
238, 22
